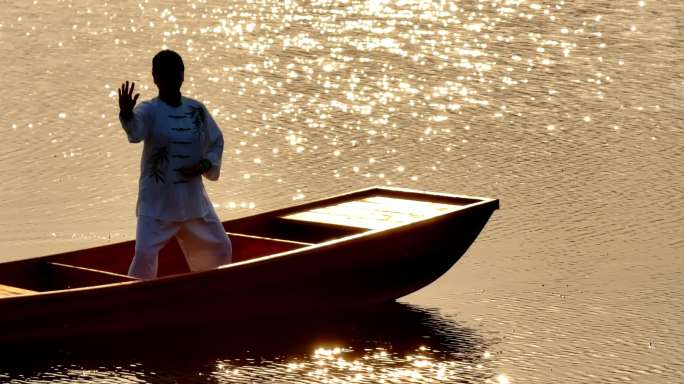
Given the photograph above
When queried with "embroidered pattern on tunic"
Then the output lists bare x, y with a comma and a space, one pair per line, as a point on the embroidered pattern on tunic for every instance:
157, 161
199, 119
199, 122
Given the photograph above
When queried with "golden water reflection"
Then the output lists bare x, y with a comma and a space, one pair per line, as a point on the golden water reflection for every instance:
380, 366
342, 365
337, 80
393, 344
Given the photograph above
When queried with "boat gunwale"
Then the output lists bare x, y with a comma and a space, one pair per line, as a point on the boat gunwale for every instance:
457, 210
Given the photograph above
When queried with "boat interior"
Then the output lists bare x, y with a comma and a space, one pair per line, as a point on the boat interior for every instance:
252, 237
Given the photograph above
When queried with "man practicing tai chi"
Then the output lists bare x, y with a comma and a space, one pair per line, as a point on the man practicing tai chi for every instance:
182, 143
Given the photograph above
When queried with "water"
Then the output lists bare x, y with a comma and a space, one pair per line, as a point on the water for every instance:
424, 346
569, 112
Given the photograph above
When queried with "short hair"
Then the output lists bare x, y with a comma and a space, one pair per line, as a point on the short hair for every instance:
167, 60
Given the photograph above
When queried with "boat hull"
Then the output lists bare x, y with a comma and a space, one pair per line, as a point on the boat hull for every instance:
361, 271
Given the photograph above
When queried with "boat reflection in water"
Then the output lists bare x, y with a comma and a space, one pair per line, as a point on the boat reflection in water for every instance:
391, 343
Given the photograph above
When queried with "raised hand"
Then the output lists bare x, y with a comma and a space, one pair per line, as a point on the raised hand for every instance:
126, 99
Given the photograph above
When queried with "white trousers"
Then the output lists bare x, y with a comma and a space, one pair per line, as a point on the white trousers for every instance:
203, 240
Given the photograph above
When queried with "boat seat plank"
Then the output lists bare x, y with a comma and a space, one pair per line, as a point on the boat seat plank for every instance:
67, 276
247, 247
374, 212
8, 290
234, 235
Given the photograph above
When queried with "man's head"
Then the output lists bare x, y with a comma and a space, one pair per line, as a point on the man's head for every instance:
168, 71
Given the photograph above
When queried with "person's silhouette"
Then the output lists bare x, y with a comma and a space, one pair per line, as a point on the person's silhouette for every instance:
182, 142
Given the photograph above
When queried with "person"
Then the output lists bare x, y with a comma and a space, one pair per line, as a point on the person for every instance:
182, 144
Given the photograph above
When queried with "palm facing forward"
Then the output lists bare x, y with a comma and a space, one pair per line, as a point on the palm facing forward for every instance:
126, 99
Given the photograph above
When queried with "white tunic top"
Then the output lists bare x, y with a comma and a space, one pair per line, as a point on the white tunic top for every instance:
174, 137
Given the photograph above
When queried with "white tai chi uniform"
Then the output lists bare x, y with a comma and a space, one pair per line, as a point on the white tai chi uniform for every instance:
170, 204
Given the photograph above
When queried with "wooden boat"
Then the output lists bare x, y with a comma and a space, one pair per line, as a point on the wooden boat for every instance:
358, 249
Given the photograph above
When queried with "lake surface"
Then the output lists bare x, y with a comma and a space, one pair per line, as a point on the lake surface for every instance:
569, 112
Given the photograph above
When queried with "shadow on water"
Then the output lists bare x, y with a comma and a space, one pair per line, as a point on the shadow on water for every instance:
392, 341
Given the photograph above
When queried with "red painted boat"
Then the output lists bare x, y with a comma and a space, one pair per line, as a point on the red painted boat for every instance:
358, 249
